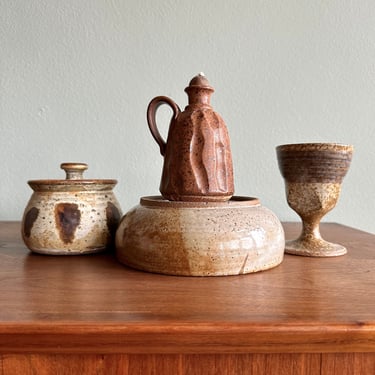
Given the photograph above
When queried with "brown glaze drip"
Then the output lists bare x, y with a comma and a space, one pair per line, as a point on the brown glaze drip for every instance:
68, 217
29, 221
113, 218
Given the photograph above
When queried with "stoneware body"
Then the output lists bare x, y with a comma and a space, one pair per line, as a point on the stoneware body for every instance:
235, 237
313, 174
72, 216
197, 155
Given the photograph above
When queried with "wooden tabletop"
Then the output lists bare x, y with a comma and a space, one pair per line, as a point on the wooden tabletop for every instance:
82, 303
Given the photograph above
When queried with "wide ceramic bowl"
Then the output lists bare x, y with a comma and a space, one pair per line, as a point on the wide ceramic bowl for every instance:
200, 238
71, 216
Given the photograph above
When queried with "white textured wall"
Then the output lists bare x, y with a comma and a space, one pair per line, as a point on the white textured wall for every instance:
76, 77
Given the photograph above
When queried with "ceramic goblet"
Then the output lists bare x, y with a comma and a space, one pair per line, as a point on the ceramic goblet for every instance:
313, 173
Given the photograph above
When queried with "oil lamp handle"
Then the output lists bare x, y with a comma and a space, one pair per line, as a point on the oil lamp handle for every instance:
151, 118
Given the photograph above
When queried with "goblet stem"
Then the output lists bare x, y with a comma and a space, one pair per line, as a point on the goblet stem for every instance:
310, 230
311, 243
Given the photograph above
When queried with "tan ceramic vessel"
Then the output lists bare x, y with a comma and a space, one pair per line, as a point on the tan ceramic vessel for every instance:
200, 238
71, 217
313, 174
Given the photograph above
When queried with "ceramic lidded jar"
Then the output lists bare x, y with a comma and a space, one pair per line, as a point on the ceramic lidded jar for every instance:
71, 216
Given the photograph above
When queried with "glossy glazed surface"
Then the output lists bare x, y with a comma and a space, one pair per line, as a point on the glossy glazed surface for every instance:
200, 239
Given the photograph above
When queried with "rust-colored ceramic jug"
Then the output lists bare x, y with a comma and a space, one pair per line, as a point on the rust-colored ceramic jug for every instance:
197, 156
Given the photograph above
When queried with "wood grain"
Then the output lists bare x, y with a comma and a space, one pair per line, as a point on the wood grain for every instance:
348, 364
259, 364
197, 364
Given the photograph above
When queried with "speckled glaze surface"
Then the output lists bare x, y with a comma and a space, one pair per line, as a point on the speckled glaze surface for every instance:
313, 174
235, 237
197, 155
72, 216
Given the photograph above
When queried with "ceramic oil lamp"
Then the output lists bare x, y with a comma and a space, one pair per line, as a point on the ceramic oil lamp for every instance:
71, 216
197, 155
197, 228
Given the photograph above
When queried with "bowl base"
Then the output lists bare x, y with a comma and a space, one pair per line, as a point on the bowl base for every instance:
68, 251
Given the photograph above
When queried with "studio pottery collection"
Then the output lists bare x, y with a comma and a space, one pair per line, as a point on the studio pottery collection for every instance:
197, 227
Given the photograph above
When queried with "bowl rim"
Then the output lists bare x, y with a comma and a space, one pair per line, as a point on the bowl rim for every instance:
157, 201
315, 146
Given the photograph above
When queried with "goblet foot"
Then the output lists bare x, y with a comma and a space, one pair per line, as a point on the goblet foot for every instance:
314, 248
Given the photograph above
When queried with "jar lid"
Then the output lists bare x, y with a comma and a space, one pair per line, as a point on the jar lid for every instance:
74, 181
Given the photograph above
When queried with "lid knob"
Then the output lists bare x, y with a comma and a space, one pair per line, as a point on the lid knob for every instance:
74, 171
199, 91
200, 80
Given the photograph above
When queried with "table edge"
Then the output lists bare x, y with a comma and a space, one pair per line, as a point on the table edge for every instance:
94, 337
